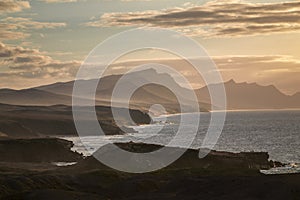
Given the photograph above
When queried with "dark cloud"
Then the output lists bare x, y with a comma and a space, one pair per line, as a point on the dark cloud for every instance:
217, 18
8, 51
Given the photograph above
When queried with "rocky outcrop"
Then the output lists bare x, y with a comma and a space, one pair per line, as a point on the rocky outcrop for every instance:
220, 175
215, 162
37, 151
43, 121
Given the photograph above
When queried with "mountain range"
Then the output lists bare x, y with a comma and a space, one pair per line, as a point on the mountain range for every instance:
239, 95
253, 96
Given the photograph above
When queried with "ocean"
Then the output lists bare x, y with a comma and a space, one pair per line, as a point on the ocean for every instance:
275, 132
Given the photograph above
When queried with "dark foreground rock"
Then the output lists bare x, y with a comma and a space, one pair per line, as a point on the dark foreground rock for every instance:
37, 150
220, 175
215, 162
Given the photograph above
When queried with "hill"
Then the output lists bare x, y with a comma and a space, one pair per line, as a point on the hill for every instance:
44, 121
253, 96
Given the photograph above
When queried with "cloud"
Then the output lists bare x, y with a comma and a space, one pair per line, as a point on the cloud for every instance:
31, 63
30, 67
214, 19
59, 1
13, 28
12, 35
71, 1
7, 6
280, 70
28, 23
134, 0
8, 51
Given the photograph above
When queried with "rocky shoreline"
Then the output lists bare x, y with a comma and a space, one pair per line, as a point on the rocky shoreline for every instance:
220, 175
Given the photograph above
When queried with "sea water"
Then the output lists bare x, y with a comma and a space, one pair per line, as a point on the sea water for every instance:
275, 132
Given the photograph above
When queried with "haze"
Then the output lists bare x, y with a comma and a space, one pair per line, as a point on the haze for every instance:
44, 41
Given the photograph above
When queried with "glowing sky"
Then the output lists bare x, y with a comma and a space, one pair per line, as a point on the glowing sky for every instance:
44, 41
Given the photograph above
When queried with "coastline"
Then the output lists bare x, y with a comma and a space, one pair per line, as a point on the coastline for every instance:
285, 168
187, 178
259, 110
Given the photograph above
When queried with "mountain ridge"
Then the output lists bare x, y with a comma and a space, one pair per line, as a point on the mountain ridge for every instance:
245, 95
240, 95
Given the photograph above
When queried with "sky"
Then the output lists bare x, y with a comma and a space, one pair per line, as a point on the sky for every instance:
45, 41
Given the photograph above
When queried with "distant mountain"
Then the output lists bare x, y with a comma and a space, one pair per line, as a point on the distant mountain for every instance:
108, 83
35, 97
253, 96
239, 95
32, 97
297, 95
143, 97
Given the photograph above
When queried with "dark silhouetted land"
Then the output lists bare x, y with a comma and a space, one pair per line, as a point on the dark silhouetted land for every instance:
220, 175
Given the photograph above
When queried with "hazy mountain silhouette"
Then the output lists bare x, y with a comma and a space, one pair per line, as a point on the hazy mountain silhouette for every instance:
35, 97
32, 97
297, 95
253, 96
239, 95
107, 85
142, 98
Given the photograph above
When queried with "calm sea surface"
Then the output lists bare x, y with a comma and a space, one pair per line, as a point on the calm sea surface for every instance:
276, 132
